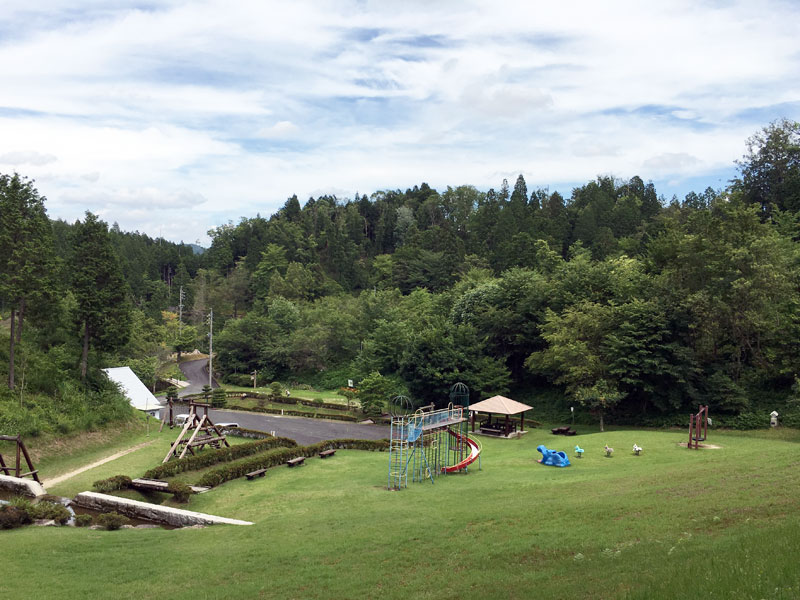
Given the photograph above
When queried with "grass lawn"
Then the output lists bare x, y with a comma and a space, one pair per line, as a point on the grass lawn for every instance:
672, 523
301, 394
251, 403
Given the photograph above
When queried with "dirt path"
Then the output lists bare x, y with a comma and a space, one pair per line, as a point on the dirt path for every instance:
102, 461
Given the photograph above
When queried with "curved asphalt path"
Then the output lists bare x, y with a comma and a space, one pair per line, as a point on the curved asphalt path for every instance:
303, 431
196, 372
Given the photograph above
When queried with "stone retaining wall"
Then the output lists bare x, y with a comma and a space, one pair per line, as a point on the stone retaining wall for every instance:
176, 517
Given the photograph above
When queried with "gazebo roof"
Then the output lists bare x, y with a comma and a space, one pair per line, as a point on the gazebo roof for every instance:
500, 405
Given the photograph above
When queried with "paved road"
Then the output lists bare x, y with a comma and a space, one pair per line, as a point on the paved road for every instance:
196, 372
303, 431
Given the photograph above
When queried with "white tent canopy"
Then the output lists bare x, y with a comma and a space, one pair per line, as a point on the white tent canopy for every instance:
135, 391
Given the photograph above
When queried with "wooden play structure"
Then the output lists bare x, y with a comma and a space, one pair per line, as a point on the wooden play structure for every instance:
698, 427
16, 471
203, 433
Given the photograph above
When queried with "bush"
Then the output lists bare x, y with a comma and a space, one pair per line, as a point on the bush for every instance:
180, 491
117, 482
83, 520
279, 456
296, 413
212, 457
275, 390
239, 379
218, 398
12, 516
50, 510
112, 521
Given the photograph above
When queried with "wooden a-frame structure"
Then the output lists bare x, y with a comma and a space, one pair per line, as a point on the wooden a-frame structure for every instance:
16, 471
197, 424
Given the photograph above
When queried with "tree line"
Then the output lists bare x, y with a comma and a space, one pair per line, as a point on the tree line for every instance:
623, 300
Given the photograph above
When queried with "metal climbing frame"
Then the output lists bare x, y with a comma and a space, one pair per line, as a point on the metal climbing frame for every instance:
426, 443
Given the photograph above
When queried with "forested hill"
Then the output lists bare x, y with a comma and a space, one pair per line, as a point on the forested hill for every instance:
615, 298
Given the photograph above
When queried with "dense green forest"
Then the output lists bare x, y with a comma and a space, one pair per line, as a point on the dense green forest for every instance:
616, 299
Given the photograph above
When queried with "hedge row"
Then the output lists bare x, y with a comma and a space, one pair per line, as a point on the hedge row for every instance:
212, 457
254, 434
279, 456
295, 413
112, 484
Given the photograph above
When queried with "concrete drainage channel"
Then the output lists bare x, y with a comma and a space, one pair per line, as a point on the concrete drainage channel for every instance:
153, 513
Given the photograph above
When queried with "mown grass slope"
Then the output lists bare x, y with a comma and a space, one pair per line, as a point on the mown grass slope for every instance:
672, 523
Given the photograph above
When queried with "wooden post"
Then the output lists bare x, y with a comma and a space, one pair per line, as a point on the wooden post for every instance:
522, 423
18, 469
29, 461
473, 421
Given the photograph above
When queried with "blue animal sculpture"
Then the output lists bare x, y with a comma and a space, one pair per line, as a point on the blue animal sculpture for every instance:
578, 451
553, 458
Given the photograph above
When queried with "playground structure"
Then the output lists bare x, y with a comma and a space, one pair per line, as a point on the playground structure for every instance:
212, 436
16, 470
553, 458
428, 443
698, 427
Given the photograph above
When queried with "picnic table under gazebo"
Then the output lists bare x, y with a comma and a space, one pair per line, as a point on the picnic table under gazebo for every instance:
499, 405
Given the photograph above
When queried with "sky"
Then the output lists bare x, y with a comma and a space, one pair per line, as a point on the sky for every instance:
172, 117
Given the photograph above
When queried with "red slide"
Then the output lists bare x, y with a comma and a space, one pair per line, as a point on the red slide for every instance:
476, 451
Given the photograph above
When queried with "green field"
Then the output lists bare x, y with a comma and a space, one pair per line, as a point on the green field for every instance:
672, 523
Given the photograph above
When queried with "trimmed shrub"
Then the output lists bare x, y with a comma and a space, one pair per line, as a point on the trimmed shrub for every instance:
180, 491
117, 482
279, 456
50, 510
83, 520
12, 516
112, 521
254, 434
219, 399
297, 413
212, 457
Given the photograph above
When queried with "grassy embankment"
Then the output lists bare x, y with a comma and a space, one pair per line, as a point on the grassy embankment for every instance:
672, 523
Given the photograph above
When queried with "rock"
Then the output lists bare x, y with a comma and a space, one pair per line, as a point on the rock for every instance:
148, 526
154, 513
127, 527
198, 526
23, 487
96, 527
44, 523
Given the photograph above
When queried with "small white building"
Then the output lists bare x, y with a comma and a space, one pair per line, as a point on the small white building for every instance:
134, 390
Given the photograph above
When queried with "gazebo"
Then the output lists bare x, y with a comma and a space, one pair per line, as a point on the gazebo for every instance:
499, 405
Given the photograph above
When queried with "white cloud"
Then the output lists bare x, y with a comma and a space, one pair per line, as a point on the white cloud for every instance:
186, 115
281, 129
26, 158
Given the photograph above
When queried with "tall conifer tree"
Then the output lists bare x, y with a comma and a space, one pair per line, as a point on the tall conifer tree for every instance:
26, 254
103, 312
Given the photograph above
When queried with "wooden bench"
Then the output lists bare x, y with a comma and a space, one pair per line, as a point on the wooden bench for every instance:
491, 430
256, 473
327, 453
296, 461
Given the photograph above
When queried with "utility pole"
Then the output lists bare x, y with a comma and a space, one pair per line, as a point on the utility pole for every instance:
210, 346
180, 311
